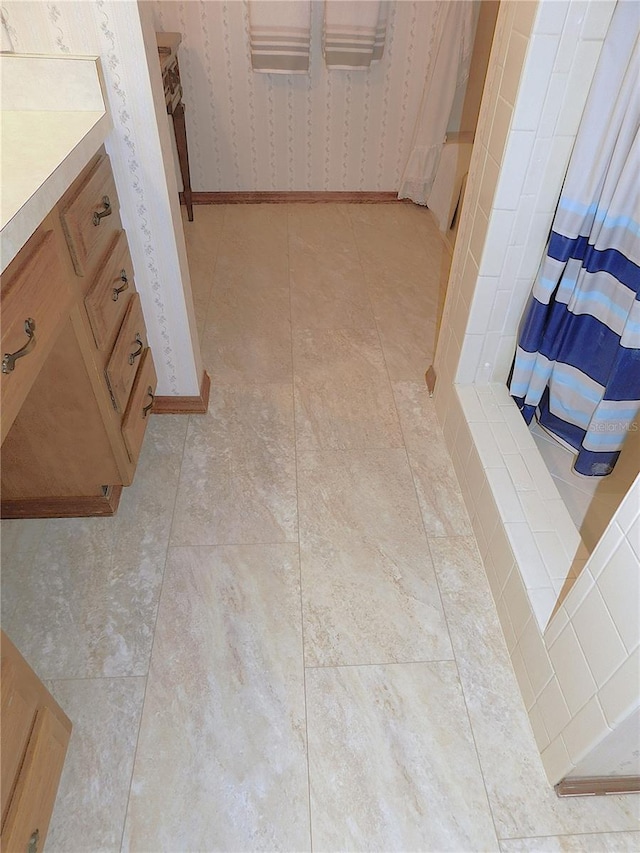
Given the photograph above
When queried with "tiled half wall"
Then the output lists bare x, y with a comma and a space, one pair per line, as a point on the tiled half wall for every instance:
578, 669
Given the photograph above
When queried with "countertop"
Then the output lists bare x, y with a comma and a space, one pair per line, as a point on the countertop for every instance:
53, 120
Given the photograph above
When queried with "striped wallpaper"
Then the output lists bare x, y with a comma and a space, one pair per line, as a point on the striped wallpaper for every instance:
338, 130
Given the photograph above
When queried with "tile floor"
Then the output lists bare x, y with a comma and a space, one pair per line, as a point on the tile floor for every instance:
285, 638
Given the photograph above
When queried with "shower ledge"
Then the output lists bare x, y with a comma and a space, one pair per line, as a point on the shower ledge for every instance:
544, 540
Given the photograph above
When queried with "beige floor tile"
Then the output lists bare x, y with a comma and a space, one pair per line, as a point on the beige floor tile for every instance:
600, 842
238, 479
221, 760
521, 800
441, 503
202, 239
247, 337
328, 290
255, 231
356, 496
371, 604
343, 398
389, 747
320, 228
92, 798
86, 598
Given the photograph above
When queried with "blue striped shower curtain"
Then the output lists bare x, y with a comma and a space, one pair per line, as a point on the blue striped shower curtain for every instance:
577, 365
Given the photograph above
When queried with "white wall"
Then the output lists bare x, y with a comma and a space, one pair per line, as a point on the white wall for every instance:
578, 672
139, 147
337, 130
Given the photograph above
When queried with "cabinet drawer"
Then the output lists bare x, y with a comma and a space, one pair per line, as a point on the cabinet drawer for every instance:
34, 288
32, 803
18, 711
136, 418
89, 214
127, 352
108, 298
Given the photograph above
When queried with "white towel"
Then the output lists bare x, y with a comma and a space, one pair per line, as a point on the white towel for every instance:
280, 36
354, 33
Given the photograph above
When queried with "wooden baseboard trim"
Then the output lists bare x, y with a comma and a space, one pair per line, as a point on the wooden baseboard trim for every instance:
597, 786
289, 197
66, 507
185, 405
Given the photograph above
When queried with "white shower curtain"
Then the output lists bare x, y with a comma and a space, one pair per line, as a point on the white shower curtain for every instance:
455, 26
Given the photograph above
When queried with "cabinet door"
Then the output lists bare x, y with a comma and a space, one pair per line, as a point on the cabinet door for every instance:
136, 417
34, 736
35, 293
127, 354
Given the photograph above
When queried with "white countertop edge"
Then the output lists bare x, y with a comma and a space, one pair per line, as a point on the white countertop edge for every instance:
24, 222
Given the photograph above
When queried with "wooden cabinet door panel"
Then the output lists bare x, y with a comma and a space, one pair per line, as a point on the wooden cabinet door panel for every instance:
136, 418
107, 300
127, 354
35, 287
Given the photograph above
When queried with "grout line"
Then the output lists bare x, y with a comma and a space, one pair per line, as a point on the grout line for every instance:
295, 452
380, 663
153, 642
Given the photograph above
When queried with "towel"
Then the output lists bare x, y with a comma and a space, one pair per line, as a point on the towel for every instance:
354, 33
280, 36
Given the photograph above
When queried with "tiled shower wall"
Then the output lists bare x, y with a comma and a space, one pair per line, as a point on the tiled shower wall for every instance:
578, 683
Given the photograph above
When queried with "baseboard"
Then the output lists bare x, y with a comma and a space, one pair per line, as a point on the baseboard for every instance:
288, 197
64, 507
185, 405
590, 786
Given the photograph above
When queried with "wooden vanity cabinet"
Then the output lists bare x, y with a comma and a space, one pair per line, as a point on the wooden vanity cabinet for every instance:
66, 449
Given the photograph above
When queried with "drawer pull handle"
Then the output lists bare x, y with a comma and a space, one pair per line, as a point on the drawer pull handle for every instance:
99, 214
134, 355
125, 284
146, 409
9, 358
32, 846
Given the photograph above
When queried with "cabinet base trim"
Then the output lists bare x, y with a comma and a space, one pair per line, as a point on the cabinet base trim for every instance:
585, 786
285, 197
185, 405
64, 507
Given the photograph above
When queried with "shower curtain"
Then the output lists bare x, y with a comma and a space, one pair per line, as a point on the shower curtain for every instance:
454, 30
577, 364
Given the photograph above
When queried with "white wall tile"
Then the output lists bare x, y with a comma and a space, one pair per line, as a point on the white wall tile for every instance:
553, 554
504, 358
553, 708
518, 472
482, 305
556, 626
504, 439
528, 695
553, 102
496, 242
538, 470
556, 761
538, 728
488, 450
532, 568
619, 584
488, 184
550, 17
521, 224
580, 76
602, 553
470, 403
570, 36
469, 358
585, 730
598, 637
539, 230
535, 511
517, 602
505, 495
535, 657
501, 553
500, 129
597, 19
533, 87
505, 624
515, 163
513, 64
478, 234
570, 665
622, 691
500, 310
543, 602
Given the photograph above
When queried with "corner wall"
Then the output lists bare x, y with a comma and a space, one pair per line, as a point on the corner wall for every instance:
577, 691
149, 208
